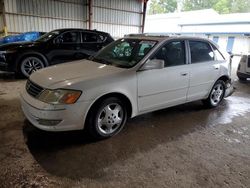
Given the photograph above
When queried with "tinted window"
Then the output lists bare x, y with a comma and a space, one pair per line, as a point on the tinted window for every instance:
48, 36
173, 53
69, 37
200, 52
90, 37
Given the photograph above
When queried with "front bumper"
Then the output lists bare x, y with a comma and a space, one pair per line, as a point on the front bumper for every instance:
4, 66
54, 117
243, 75
229, 88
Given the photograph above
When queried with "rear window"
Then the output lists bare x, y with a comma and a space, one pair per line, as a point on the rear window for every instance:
200, 52
218, 54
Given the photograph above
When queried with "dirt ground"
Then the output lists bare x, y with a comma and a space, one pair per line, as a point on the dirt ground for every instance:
183, 146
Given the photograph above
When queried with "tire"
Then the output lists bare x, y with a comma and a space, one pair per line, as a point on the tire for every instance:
216, 95
107, 118
242, 78
30, 64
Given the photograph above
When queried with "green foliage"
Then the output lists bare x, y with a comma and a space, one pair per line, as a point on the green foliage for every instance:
162, 6
189, 5
240, 6
221, 6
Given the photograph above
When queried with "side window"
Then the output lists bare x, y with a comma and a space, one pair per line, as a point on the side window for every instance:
102, 38
69, 37
173, 53
200, 52
218, 55
145, 47
90, 37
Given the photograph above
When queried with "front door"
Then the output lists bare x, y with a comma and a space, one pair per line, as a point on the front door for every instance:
65, 47
160, 88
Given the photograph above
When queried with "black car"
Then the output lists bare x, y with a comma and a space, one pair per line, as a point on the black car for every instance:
55, 47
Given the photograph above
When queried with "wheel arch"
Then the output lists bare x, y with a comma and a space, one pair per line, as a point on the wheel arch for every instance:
118, 95
224, 78
30, 53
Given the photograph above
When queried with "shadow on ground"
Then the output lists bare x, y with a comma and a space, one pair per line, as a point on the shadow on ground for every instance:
10, 77
74, 155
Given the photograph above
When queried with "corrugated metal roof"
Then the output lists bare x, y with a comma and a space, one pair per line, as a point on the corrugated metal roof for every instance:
118, 17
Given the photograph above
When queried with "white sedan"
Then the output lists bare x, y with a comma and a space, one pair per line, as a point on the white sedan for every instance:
131, 76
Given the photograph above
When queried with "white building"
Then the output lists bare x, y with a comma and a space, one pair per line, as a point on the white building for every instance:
230, 31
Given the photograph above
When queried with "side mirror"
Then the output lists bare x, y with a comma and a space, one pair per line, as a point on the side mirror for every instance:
231, 54
153, 64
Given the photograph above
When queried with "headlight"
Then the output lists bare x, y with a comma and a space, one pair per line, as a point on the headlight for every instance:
7, 52
59, 96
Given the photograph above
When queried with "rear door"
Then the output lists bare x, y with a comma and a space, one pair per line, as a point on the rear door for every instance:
204, 69
91, 43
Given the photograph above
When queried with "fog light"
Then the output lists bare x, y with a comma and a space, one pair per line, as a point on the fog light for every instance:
49, 122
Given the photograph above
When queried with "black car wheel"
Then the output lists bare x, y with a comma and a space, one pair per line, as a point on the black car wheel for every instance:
242, 78
30, 64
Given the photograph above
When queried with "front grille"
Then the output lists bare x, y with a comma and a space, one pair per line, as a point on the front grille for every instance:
33, 89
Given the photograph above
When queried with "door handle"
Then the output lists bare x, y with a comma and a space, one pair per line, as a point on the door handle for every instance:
216, 67
184, 74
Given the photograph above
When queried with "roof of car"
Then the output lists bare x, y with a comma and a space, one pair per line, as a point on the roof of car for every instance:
78, 29
162, 37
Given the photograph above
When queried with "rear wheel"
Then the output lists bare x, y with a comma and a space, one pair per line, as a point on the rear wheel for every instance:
29, 65
107, 118
216, 95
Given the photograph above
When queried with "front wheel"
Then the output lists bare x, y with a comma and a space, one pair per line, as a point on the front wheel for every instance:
29, 65
216, 95
107, 118
242, 78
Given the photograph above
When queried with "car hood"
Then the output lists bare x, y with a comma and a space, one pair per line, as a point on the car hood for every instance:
69, 73
15, 45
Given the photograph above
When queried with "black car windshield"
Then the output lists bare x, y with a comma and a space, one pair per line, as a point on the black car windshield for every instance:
124, 53
48, 36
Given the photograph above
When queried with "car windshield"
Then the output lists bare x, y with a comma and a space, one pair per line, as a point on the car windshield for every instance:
48, 36
124, 53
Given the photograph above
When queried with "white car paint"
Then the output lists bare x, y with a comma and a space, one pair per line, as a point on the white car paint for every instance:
244, 67
147, 90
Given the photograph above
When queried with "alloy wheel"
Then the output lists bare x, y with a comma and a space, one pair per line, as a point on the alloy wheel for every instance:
217, 94
110, 118
30, 65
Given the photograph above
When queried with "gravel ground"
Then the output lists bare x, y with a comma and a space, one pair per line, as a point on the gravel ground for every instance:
183, 146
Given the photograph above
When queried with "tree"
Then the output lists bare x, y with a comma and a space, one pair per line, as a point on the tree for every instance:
189, 5
240, 6
221, 6
162, 6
